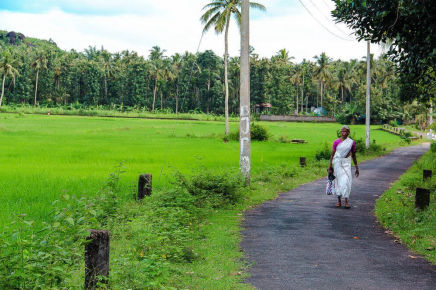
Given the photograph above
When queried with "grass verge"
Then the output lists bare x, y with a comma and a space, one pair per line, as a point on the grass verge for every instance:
395, 209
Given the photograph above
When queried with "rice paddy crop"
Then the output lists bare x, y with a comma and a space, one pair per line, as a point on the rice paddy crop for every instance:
44, 157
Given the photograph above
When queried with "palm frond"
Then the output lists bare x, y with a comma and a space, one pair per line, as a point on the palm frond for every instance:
221, 21
257, 6
213, 5
211, 22
205, 17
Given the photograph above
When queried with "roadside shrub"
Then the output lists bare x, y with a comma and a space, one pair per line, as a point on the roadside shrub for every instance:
234, 136
405, 136
211, 188
360, 145
433, 147
393, 123
324, 153
257, 132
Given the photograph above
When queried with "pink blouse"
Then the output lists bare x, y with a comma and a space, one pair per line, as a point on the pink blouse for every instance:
337, 141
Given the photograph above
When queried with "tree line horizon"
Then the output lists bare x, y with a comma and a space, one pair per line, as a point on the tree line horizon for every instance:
37, 72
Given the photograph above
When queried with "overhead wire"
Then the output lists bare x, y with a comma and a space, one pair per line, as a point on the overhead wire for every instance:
327, 18
320, 23
326, 5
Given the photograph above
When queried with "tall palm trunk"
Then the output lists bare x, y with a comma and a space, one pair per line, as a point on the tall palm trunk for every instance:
302, 96
105, 89
342, 93
154, 94
296, 104
161, 100
3, 89
36, 87
226, 80
322, 90
208, 95
307, 103
177, 99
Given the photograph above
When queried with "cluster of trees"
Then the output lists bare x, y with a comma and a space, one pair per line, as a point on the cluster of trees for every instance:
42, 73
409, 27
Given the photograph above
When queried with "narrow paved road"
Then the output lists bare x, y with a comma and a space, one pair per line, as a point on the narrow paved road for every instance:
302, 241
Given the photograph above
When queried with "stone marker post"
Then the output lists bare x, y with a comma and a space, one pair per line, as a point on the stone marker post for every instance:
144, 185
426, 174
422, 198
96, 258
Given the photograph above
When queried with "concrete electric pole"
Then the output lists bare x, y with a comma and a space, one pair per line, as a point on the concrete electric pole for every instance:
368, 94
244, 136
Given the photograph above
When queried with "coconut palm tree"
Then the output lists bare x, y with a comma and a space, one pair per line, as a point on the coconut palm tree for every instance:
283, 55
168, 75
39, 62
156, 55
176, 68
217, 15
322, 72
8, 67
296, 79
346, 78
106, 63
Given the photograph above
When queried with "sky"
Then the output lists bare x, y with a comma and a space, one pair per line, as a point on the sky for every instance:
303, 27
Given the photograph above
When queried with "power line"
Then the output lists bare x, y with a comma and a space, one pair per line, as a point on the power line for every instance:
327, 18
320, 23
325, 3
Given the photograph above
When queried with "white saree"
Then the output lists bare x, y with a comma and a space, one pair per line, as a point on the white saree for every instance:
342, 169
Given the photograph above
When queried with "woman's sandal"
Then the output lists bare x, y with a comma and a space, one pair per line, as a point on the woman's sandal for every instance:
338, 204
347, 205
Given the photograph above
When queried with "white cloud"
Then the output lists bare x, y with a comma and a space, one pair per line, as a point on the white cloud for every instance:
175, 26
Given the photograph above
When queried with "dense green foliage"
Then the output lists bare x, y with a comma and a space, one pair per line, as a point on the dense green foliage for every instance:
396, 211
257, 133
324, 153
410, 26
192, 82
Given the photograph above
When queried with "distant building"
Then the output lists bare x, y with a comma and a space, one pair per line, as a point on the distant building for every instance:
262, 108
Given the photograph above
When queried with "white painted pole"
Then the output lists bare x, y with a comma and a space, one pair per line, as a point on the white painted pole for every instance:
368, 95
244, 136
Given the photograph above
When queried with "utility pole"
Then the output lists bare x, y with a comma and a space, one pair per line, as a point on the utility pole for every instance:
244, 135
368, 94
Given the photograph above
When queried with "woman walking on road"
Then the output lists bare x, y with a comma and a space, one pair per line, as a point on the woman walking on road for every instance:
343, 149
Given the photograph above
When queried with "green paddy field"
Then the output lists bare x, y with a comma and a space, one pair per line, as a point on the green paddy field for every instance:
44, 157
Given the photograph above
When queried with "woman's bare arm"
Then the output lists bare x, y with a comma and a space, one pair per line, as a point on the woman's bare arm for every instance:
353, 155
331, 160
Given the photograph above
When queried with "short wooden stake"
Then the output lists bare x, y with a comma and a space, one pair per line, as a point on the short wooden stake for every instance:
96, 258
422, 198
144, 185
426, 174
302, 161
